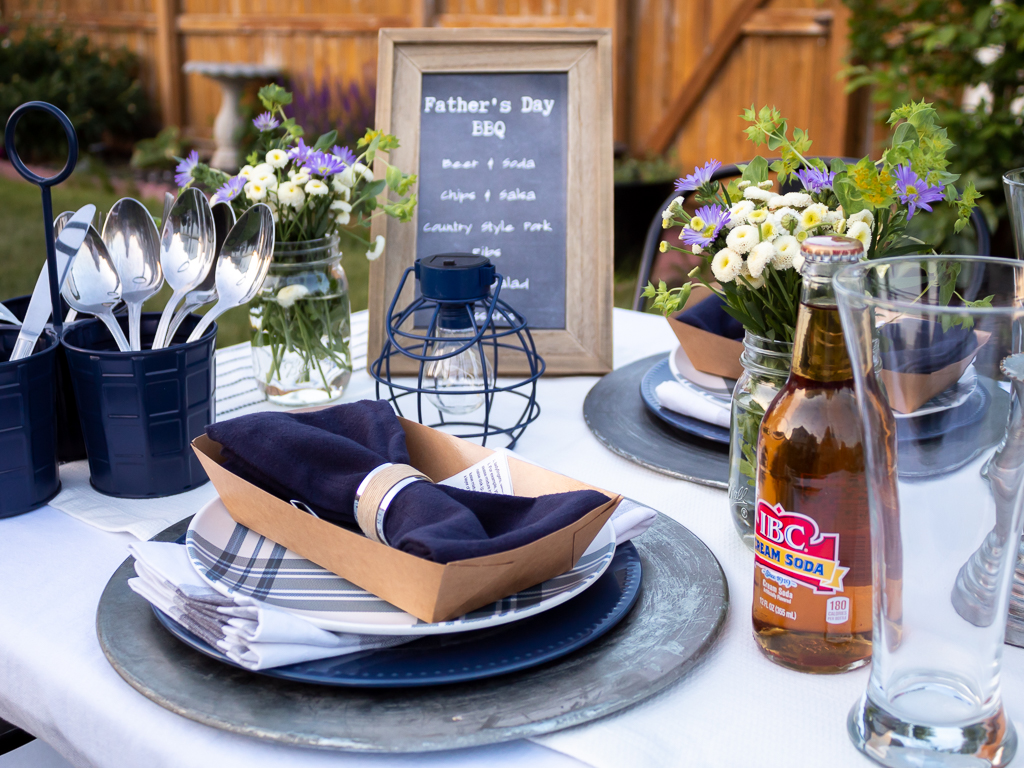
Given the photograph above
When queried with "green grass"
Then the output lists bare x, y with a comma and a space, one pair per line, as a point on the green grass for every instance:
23, 251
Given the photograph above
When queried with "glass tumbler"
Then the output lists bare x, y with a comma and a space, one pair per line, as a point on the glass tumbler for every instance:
945, 497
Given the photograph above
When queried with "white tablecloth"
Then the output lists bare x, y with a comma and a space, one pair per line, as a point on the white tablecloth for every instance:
734, 709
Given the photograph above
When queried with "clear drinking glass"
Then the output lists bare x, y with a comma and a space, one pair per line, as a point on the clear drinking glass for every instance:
1013, 186
945, 497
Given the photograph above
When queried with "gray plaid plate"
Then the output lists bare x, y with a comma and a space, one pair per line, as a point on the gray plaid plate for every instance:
233, 559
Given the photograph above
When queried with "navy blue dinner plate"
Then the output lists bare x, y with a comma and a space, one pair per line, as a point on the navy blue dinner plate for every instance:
659, 373
476, 655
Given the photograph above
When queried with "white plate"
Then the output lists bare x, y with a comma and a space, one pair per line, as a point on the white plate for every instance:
685, 373
233, 559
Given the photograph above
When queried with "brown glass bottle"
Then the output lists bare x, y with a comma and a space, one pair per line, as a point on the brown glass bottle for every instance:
812, 577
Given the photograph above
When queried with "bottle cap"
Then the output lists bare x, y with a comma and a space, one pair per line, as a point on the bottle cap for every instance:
831, 249
455, 277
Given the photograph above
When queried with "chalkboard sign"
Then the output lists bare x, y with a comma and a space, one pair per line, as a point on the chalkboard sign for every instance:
492, 181
509, 131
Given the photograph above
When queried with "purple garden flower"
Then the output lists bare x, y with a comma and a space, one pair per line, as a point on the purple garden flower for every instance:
713, 218
300, 152
266, 122
347, 156
229, 191
183, 170
815, 180
698, 178
914, 191
323, 164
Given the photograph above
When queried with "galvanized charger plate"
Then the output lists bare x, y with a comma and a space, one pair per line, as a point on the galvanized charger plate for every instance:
616, 415
681, 609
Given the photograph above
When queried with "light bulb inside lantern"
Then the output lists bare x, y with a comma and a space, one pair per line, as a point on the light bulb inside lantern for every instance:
455, 383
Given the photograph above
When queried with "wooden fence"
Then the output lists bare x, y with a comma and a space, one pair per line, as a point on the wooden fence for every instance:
684, 68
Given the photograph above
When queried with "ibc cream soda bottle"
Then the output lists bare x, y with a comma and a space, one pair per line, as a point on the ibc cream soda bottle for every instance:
812, 572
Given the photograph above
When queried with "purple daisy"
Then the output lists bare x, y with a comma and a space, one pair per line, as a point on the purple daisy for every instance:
347, 156
323, 164
183, 170
714, 218
300, 152
698, 178
265, 122
914, 191
815, 180
229, 191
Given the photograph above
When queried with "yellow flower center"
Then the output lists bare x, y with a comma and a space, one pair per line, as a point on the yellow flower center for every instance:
911, 189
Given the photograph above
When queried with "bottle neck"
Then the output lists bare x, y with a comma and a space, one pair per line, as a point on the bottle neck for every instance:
819, 349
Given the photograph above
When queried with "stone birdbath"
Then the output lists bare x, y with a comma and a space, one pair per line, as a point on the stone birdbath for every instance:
232, 78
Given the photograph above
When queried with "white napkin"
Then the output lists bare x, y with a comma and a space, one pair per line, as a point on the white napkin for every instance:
143, 518
252, 634
677, 398
630, 519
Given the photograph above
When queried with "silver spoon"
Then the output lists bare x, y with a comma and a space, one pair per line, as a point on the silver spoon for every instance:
93, 287
206, 292
187, 248
58, 224
131, 237
243, 264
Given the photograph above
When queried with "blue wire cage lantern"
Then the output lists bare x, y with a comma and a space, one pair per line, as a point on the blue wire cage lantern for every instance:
464, 331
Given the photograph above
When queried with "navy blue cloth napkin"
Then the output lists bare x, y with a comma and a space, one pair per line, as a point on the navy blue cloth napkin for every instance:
320, 458
914, 345
709, 316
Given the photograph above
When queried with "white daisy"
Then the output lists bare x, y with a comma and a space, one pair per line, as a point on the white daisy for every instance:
340, 205
255, 191
341, 189
316, 188
743, 238
866, 216
776, 201
743, 185
738, 213
840, 226
726, 265
343, 218
288, 295
246, 172
377, 250
770, 229
798, 262
760, 256
290, 193
263, 169
810, 218
757, 216
797, 199
787, 248
860, 230
766, 184
756, 193
277, 158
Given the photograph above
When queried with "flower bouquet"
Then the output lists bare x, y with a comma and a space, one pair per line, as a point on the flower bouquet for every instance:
748, 235
301, 318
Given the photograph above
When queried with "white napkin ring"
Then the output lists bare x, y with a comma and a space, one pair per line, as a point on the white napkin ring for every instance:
376, 492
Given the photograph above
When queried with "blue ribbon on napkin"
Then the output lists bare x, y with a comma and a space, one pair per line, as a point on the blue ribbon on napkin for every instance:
320, 458
709, 316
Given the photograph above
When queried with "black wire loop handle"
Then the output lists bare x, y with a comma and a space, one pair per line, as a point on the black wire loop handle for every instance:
44, 183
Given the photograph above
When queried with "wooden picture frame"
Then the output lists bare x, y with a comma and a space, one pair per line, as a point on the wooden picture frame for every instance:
584, 346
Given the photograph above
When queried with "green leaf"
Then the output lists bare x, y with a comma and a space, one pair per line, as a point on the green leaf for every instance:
326, 141
393, 177
756, 170
273, 96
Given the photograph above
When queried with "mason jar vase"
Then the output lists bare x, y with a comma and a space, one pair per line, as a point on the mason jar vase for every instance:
301, 325
765, 370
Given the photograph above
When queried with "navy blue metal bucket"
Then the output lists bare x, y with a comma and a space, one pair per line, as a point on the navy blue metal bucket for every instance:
141, 410
28, 432
70, 443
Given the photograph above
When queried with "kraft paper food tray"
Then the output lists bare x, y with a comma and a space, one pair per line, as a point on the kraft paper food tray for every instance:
708, 353
429, 591
909, 391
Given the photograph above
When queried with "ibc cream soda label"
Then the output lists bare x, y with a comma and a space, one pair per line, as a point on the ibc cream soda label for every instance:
791, 544
795, 563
